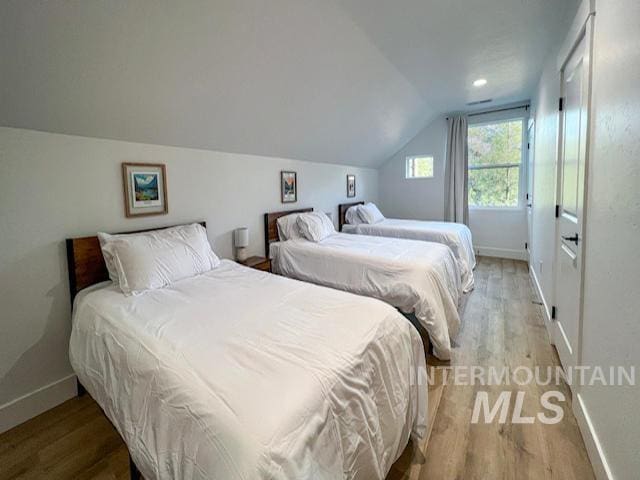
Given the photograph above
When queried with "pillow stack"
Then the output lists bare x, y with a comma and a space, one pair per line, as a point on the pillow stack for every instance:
315, 226
352, 216
367, 213
288, 227
146, 261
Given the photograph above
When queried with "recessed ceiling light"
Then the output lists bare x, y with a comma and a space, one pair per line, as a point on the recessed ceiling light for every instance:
480, 82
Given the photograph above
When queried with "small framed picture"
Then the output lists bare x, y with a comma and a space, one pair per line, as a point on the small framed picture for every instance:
351, 185
288, 187
145, 189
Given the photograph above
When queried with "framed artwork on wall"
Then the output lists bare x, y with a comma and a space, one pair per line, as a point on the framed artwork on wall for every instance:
351, 185
145, 189
288, 187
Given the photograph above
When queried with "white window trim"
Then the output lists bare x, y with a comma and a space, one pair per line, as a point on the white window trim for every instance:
522, 183
406, 165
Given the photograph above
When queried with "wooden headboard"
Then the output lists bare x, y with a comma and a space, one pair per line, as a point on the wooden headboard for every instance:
342, 212
86, 264
271, 228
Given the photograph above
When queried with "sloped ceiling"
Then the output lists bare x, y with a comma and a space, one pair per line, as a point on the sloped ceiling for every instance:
338, 81
442, 46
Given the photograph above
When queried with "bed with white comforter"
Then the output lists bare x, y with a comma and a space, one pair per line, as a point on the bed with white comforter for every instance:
239, 374
417, 277
455, 235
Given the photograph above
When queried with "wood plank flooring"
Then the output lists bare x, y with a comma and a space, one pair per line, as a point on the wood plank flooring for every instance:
501, 327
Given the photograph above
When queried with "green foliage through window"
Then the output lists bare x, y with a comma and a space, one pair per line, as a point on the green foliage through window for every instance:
419, 167
495, 155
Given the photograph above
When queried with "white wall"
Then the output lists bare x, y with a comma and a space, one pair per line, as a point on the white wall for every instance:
544, 109
496, 232
419, 198
608, 416
499, 233
57, 186
611, 326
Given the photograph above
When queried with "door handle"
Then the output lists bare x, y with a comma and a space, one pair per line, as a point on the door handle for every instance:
573, 238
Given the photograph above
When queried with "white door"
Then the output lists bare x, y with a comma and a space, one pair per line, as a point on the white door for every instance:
529, 194
571, 181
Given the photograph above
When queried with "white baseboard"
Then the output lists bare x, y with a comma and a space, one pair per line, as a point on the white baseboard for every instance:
592, 443
33, 404
501, 253
545, 305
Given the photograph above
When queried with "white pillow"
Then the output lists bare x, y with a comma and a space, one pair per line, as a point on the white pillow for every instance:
150, 260
288, 228
353, 216
369, 213
104, 239
315, 226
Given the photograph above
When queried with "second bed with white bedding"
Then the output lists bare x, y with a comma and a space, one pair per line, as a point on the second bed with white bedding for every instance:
455, 235
417, 277
238, 374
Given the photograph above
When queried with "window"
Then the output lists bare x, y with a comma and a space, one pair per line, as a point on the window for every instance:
495, 156
419, 166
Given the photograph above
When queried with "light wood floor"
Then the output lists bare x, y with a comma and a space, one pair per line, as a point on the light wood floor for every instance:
501, 326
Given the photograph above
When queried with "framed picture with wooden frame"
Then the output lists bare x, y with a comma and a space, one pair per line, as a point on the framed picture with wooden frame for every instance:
288, 187
351, 186
145, 189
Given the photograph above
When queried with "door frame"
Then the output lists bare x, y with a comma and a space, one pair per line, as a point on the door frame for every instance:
531, 165
585, 32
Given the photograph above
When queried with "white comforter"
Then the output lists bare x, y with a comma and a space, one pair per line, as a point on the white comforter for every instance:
416, 277
239, 374
455, 235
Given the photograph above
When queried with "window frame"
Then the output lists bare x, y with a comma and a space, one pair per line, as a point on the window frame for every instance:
407, 158
522, 180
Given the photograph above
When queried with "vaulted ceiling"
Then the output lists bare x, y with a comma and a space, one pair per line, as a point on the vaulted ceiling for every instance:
338, 81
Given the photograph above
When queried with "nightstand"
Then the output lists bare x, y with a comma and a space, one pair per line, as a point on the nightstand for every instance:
259, 263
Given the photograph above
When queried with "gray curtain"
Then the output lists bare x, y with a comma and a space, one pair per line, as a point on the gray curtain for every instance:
456, 205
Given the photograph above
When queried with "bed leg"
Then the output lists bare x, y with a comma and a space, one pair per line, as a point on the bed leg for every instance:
134, 473
81, 390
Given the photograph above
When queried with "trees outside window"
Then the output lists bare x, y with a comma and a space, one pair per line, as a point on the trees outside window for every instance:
419, 166
495, 159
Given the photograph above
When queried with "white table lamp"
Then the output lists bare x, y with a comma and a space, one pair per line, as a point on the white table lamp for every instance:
241, 242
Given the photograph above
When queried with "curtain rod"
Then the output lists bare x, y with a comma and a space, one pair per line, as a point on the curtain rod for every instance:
506, 109
526, 107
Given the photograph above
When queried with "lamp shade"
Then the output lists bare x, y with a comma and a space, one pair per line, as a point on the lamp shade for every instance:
241, 237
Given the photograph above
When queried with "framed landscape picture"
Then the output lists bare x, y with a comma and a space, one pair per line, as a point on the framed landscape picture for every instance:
145, 189
288, 187
351, 185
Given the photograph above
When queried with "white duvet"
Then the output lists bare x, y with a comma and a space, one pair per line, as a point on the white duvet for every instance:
455, 235
240, 374
417, 277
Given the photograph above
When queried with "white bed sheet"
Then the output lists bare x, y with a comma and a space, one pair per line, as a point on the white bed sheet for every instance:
456, 236
240, 374
417, 277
